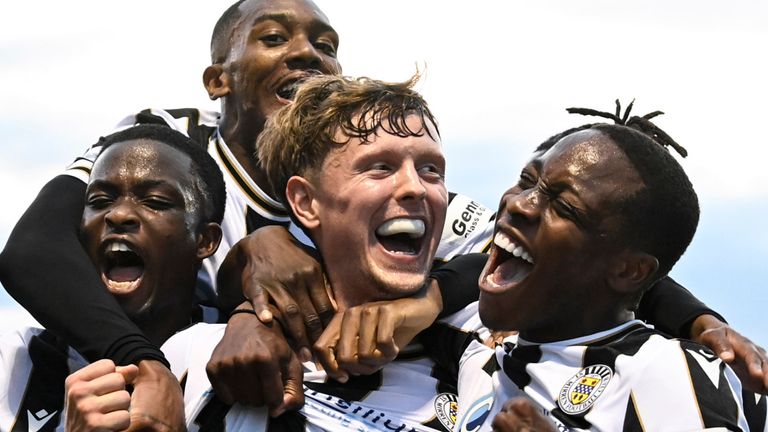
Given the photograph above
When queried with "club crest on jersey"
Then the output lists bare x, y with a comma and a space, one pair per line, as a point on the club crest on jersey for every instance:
446, 406
581, 391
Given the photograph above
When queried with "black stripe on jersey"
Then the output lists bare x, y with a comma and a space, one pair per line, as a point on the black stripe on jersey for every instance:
716, 404
211, 417
354, 390
183, 381
291, 421
626, 342
277, 211
631, 417
514, 363
756, 412
254, 221
491, 366
44, 395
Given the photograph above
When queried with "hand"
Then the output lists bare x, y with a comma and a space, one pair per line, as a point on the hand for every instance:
96, 398
748, 360
497, 337
157, 403
364, 338
254, 365
520, 414
270, 263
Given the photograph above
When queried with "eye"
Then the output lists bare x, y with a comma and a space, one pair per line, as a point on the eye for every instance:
432, 171
380, 167
327, 48
98, 201
527, 180
158, 203
273, 39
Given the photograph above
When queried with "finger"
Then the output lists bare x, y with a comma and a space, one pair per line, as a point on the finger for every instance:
291, 318
271, 386
320, 294
106, 384
129, 372
114, 401
346, 346
309, 317
325, 349
259, 299
367, 334
293, 390
385, 340
93, 370
116, 420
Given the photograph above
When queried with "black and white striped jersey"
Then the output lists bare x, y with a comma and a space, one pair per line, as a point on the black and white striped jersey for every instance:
410, 394
468, 227
34, 365
627, 378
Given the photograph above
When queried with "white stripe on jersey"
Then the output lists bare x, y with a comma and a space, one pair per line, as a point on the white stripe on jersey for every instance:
637, 377
15, 371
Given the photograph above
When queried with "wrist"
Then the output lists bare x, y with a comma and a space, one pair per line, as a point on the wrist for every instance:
702, 323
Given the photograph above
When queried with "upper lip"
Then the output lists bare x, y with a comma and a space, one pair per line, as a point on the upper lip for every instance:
295, 76
109, 240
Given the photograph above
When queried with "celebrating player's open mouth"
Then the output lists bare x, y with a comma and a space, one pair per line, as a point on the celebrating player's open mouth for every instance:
121, 266
510, 262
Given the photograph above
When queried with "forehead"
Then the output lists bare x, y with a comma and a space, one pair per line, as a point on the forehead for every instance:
428, 143
592, 165
143, 158
254, 11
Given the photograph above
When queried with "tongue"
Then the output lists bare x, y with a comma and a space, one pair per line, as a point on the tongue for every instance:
510, 271
125, 273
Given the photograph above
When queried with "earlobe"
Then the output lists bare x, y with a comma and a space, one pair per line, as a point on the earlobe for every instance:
301, 197
633, 271
208, 240
216, 81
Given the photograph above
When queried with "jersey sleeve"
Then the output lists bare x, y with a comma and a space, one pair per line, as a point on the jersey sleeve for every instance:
671, 308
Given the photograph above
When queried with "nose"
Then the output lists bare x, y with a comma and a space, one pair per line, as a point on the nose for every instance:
122, 217
410, 185
304, 55
525, 204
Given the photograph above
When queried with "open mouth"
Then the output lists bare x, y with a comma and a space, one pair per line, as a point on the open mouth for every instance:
288, 89
402, 236
122, 267
509, 263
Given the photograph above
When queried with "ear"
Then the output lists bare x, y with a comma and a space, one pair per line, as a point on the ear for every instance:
300, 195
208, 240
216, 81
632, 271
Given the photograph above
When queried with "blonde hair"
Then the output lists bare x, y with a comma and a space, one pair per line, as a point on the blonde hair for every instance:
298, 137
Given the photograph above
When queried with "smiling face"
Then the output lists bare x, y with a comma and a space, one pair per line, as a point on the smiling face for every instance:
140, 227
380, 208
552, 249
275, 44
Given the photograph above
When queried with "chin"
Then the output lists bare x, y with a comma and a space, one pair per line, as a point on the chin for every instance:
493, 316
399, 284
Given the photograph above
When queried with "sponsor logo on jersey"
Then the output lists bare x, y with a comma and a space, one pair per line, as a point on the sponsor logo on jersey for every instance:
446, 405
467, 221
476, 414
581, 391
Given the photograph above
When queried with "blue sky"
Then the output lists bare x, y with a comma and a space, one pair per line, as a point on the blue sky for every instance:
498, 76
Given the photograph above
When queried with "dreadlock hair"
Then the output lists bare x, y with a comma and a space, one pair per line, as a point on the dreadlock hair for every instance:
222, 32
298, 137
660, 218
209, 182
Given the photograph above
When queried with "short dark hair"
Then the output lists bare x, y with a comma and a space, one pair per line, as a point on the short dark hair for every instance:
660, 218
222, 32
210, 181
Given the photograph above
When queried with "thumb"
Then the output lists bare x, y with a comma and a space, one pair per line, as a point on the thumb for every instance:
129, 372
293, 389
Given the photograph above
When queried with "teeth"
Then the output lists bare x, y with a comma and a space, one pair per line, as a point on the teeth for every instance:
503, 241
413, 227
118, 247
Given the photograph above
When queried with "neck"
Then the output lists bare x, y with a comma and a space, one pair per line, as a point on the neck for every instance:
240, 136
575, 323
